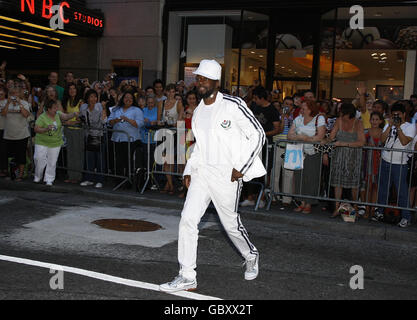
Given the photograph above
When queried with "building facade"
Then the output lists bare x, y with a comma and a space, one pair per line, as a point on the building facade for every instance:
286, 46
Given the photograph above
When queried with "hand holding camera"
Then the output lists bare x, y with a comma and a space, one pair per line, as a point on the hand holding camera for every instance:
396, 120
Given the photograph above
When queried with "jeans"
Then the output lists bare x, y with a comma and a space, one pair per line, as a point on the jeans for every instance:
399, 178
95, 161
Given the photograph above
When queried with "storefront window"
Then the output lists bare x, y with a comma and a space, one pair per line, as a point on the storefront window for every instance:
293, 63
377, 55
253, 47
209, 35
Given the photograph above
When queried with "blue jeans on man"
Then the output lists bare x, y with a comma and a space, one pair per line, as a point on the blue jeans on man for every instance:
399, 178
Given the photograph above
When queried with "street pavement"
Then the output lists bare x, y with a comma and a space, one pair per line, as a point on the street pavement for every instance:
301, 256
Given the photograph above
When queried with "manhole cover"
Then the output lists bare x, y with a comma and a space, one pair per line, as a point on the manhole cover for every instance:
127, 225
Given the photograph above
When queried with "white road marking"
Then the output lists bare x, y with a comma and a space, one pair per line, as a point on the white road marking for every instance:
105, 277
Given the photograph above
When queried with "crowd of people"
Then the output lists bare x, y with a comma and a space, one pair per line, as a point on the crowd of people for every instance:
95, 124
99, 123
340, 159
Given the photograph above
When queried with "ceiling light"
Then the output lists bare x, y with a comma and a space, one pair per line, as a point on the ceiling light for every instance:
250, 67
7, 35
252, 52
25, 45
9, 19
8, 42
384, 58
38, 35
8, 28
374, 54
30, 33
66, 33
261, 56
36, 26
7, 47
52, 45
30, 40
383, 54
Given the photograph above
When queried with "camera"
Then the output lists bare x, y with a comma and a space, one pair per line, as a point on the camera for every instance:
396, 119
13, 98
285, 110
113, 75
82, 118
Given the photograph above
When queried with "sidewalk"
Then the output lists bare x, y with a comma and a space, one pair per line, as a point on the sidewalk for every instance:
317, 221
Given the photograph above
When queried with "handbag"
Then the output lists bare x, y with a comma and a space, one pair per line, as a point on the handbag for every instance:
93, 142
294, 157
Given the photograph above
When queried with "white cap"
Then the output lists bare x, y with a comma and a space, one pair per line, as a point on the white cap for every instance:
210, 69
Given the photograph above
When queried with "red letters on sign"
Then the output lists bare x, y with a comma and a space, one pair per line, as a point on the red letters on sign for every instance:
30, 3
88, 19
46, 9
61, 11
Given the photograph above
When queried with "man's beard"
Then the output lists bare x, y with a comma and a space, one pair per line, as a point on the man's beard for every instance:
206, 95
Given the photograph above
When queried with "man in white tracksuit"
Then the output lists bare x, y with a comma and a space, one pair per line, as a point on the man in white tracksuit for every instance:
229, 140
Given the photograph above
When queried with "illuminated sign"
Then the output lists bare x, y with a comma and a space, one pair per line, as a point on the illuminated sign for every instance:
84, 18
68, 14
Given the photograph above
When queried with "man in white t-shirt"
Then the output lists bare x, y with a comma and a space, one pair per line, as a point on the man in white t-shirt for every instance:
229, 140
397, 134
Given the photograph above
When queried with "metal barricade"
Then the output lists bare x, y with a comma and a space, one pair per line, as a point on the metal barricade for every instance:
385, 175
108, 157
152, 163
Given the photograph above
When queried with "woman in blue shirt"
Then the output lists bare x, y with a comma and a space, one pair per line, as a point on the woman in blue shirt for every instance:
127, 121
150, 112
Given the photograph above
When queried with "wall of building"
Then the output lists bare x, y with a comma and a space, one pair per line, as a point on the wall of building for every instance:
132, 31
80, 56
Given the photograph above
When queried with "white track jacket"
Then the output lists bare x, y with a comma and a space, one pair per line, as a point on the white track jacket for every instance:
236, 140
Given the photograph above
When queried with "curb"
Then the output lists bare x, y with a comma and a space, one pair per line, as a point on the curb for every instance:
361, 229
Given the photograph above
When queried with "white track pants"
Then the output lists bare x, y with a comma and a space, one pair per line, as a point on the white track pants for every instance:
45, 158
225, 195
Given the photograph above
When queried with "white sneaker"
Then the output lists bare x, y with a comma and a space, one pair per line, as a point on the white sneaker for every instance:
178, 284
247, 203
99, 185
86, 183
252, 268
261, 204
49, 184
404, 223
361, 210
36, 180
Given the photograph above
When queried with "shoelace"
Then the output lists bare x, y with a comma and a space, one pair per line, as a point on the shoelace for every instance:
178, 279
250, 264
